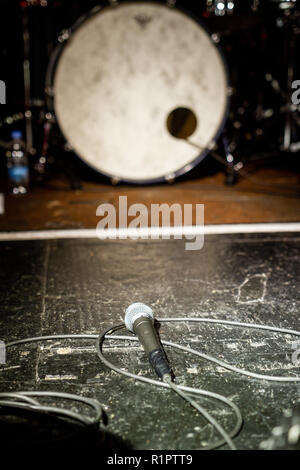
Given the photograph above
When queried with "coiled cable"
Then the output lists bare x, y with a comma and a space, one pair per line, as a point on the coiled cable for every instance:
28, 400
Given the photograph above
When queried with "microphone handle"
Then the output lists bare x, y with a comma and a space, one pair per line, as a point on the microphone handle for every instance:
145, 331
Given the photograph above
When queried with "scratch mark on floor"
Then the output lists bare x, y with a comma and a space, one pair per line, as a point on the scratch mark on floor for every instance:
11, 367
61, 377
252, 289
43, 313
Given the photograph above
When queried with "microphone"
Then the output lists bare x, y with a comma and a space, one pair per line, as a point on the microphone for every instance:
139, 319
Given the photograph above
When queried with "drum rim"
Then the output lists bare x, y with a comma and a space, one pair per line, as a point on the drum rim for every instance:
50, 75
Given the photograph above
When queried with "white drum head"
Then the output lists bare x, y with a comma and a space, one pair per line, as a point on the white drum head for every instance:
122, 73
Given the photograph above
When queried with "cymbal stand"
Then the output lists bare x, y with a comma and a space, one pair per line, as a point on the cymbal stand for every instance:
27, 79
290, 110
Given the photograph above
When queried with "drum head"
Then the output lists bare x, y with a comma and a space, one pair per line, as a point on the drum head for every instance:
131, 83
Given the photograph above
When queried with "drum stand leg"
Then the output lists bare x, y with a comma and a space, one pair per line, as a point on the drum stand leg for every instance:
288, 110
231, 176
75, 183
41, 164
27, 82
69, 171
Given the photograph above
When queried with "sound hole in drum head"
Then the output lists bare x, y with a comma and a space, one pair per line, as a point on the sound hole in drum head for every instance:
181, 123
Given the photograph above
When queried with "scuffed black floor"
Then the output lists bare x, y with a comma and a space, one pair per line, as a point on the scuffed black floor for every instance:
83, 286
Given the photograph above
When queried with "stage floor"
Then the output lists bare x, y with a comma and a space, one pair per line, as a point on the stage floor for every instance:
83, 286
56, 207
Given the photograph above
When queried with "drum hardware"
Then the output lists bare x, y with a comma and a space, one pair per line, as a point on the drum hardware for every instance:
64, 35
27, 80
115, 180
291, 118
215, 37
68, 147
25, 4
227, 158
28, 102
232, 167
220, 7
260, 131
41, 118
255, 5
285, 4
40, 166
292, 121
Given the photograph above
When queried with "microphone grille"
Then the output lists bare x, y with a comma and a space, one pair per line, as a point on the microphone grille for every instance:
135, 311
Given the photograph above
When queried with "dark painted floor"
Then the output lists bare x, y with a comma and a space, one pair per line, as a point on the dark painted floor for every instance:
83, 286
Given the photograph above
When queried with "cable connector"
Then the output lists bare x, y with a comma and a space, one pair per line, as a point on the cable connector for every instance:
159, 363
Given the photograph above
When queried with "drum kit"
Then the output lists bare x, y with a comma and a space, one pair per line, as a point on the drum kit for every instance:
142, 91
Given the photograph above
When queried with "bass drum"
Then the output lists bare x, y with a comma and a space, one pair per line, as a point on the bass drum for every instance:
137, 88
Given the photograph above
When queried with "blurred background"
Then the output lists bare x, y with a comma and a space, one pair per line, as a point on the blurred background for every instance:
256, 144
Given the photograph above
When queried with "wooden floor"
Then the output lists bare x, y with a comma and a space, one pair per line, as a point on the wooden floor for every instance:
266, 195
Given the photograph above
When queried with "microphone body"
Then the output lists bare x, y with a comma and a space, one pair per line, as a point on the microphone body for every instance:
139, 320
144, 329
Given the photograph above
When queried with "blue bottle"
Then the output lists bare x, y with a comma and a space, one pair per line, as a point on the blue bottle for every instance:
17, 165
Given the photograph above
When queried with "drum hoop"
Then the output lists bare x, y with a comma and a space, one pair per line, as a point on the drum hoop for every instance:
50, 74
